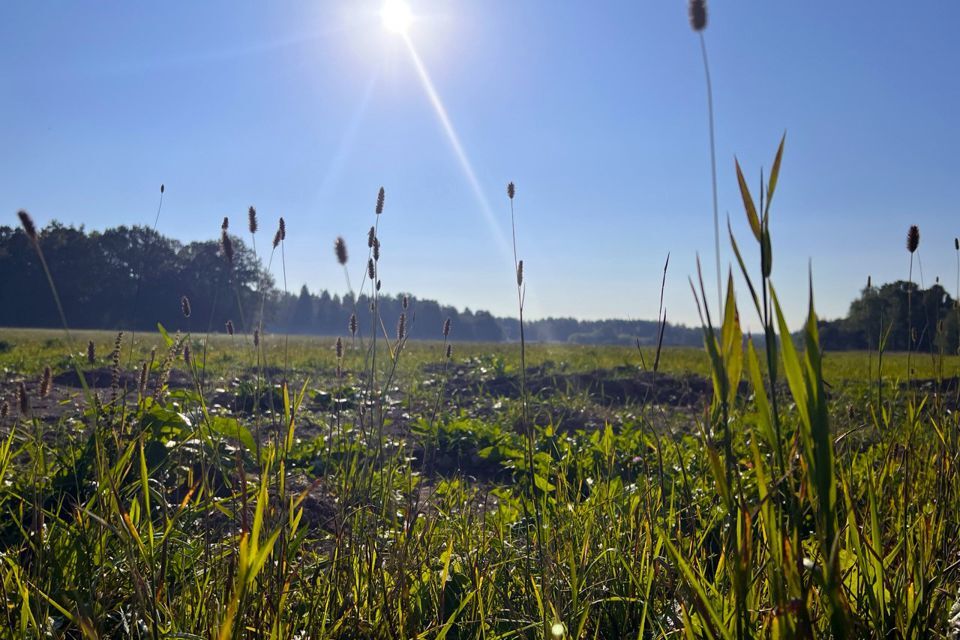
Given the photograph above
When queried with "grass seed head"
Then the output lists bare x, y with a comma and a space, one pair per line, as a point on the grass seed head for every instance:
115, 358
28, 226
520, 273
256, 337
46, 382
380, 198
449, 351
340, 248
698, 14
371, 270
956, 244
23, 399
252, 219
226, 244
225, 224
339, 349
402, 327
913, 238
230, 327
282, 228
353, 325
446, 327
142, 382
91, 352
370, 236
185, 306
405, 302
186, 353
378, 284
511, 190
161, 188
376, 249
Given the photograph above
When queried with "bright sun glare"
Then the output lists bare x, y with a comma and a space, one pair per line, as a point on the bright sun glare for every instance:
396, 16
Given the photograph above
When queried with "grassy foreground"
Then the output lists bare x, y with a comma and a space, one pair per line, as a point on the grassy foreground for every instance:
256, 486
257, 500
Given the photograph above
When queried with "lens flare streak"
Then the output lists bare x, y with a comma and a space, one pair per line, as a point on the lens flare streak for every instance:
458, 150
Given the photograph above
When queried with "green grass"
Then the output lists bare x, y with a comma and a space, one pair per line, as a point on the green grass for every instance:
30, 350
164, 518
278, 491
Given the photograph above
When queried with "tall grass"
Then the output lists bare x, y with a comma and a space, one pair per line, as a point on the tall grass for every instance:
772, 513
371, 497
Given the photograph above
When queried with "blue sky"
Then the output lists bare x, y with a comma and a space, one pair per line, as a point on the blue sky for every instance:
596, 111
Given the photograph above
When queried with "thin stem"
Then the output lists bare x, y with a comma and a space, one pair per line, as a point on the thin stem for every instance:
136, 296
713, 170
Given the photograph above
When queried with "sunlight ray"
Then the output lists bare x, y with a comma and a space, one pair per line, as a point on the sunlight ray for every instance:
454, 139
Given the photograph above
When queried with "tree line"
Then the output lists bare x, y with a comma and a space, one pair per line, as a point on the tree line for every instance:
899, 316
134, 278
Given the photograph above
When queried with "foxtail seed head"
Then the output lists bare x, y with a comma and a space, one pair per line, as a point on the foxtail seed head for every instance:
913, 238
380, 198
339, 349
446, 327
698, 15
252, 219
24, 399
226, 244
91, 352
340, 248
520, 273
28, 227
185, 306
230, 327
225, 224
46, 382
353, 325
142, 382
511, 190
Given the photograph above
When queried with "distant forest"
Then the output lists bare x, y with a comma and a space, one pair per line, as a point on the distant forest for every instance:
98, 277
889, 313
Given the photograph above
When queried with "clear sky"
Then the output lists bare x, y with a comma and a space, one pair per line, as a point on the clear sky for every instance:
596, 110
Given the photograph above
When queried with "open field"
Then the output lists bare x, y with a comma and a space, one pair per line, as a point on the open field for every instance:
270, 494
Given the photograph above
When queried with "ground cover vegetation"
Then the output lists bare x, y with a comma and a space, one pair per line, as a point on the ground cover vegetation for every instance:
181, 484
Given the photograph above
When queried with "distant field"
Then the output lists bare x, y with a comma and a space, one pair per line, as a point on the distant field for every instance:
27, 351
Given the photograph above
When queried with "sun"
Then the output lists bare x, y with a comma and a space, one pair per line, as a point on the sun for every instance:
396, 16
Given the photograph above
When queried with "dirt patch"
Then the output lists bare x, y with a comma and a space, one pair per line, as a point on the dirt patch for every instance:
622, 386
102, 378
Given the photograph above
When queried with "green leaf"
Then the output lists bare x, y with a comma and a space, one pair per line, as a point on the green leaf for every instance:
732, 339
166, 336
748, 203
230, 428
774, 174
